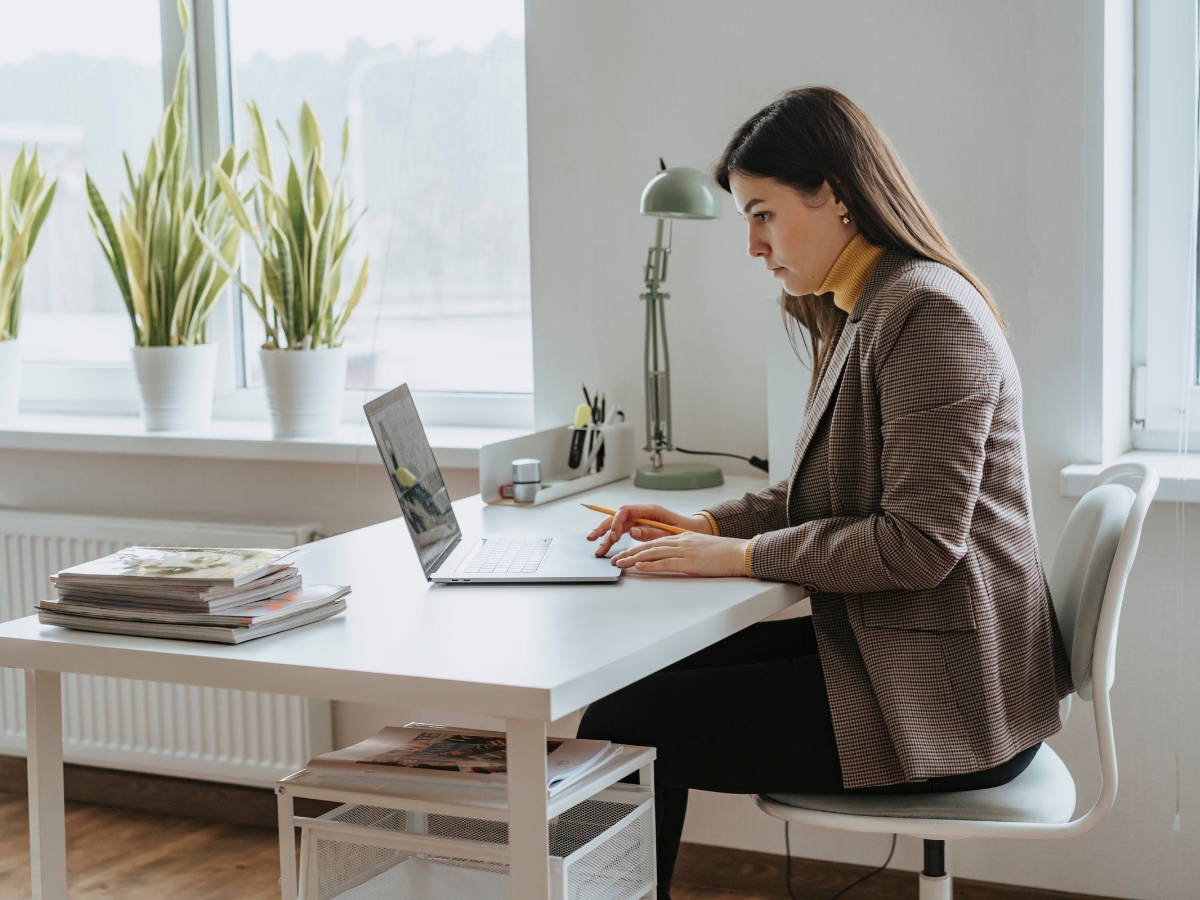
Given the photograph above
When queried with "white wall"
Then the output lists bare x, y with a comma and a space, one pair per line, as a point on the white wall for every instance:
997, 110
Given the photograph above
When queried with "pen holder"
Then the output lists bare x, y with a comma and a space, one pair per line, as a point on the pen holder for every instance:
553, 448
593, 457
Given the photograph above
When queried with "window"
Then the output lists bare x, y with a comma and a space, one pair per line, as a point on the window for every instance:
82, 82
1166, 352
434, 95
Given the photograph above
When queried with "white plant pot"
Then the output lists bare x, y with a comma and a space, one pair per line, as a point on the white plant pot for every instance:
175, 386
10, 379
304, 390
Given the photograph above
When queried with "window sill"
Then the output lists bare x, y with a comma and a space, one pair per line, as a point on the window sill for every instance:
455, 447
1179, 476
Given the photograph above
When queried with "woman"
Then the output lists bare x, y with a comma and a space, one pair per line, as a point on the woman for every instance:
932, 660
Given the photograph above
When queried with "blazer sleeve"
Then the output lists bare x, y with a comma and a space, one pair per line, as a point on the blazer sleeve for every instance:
937, 388
752, 514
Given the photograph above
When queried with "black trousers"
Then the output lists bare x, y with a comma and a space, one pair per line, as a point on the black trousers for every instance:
748, 715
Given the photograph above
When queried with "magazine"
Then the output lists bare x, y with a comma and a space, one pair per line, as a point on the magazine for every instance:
433, 751
140, 596
178, 566
257, 613
222, 634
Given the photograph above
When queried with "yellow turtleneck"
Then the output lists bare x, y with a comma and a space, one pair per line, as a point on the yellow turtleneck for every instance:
851, 271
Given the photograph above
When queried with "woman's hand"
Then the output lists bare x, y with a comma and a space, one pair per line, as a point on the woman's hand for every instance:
613, 527
687, 554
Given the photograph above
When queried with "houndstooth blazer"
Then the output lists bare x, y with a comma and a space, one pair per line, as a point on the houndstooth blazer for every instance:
933, 619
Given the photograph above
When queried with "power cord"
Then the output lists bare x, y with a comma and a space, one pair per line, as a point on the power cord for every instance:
756, 461
787, 843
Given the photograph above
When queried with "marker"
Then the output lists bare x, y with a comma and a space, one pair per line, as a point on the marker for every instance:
583, 412
661, 526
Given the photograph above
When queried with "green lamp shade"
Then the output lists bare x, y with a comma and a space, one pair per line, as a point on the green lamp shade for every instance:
681, 193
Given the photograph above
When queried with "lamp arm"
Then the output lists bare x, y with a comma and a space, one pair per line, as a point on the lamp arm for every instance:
657, 380
666, 369
647, 298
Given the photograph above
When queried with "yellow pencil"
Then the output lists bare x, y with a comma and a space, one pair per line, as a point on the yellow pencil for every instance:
661, 526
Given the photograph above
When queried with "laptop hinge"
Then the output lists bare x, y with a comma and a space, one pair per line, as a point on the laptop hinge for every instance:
437, 563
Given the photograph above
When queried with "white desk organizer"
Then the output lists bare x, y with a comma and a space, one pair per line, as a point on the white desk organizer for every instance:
416, 840
553, 447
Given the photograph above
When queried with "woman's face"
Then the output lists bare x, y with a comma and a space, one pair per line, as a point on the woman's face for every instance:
799, 237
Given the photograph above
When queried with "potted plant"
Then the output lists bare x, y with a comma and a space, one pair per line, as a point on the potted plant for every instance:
22, 211
161, 250
301, 230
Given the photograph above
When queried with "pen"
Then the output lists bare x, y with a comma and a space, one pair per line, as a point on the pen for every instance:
661, 526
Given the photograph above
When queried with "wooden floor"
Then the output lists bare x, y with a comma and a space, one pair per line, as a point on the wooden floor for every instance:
124, 854
121, 854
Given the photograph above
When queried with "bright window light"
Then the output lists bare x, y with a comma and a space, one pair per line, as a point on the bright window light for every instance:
435, 97
83, 82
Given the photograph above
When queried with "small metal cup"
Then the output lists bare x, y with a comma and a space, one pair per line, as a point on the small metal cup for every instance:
527, 478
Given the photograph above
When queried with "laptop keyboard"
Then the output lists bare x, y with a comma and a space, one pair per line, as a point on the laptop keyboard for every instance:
508, 556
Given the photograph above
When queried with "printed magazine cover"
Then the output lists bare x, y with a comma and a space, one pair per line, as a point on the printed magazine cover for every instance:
477, 753
419, 750
187, 564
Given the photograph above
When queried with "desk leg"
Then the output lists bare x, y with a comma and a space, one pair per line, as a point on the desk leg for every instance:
287, 844
47, 816
528, 839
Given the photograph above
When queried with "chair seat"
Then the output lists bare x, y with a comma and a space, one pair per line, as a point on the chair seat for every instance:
1043, 793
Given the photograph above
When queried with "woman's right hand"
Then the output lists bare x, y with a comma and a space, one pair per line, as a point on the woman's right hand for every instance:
613, 527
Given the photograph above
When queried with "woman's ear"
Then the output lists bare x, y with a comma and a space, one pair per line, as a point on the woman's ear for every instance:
839, 205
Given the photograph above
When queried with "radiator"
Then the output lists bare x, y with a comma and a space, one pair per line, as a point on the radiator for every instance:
215, 734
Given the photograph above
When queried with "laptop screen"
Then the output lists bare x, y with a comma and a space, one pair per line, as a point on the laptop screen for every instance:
415, 476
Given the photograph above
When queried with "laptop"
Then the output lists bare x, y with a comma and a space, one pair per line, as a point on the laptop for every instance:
445, 556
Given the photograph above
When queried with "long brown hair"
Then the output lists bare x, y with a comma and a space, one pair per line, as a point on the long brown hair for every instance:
812, 135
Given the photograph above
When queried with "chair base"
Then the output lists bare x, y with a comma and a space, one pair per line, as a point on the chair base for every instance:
940, 887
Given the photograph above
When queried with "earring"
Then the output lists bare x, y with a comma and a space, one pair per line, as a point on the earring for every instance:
846, 219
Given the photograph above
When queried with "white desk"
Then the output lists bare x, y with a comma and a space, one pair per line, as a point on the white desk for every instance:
529, 654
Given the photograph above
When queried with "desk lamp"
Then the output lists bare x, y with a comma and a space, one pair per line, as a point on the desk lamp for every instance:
675, 193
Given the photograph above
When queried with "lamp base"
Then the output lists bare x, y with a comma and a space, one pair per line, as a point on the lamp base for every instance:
679, 477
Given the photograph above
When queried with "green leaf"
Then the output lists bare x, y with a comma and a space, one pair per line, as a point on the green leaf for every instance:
16, 307
231, 197
16, 181
228, 162
272, 283
34, 176
214, 253
104, 224
310, 135
40, 216
320, 262
182, 10
260, 145
355, 296
295, 207
173, 127
345, 141
14, 264
320, 193
129, 174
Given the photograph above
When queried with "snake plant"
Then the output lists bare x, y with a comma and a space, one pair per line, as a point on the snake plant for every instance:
21, 216
162, 246
301, 230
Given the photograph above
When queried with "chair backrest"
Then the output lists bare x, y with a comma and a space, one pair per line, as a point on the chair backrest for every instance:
1091, 568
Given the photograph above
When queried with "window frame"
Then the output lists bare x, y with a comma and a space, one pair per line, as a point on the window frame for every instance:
1164, 380
111, 389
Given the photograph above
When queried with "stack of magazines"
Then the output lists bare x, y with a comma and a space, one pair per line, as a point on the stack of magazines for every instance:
423, 752
192, 593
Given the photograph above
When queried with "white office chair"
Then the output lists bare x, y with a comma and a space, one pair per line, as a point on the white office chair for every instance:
1087, 583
